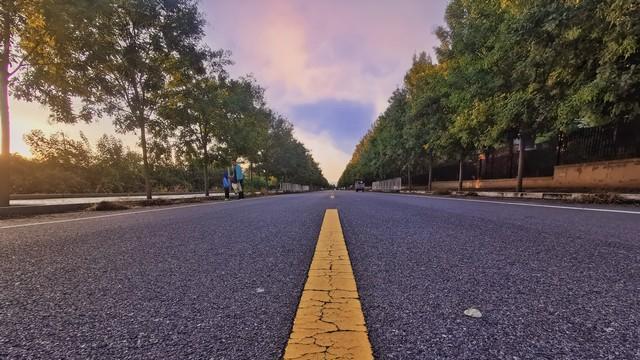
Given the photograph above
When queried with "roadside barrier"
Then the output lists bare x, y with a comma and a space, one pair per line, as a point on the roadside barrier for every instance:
390, 185
287, 187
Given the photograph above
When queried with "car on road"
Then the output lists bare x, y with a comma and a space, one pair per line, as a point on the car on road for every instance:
359, 186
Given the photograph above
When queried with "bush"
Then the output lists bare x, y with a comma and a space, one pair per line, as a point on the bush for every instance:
109, 206
602, 198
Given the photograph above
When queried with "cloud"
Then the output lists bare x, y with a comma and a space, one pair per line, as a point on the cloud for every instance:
332, 160
345, 121
346, 55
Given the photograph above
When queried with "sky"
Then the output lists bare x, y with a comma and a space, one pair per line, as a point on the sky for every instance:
329, 66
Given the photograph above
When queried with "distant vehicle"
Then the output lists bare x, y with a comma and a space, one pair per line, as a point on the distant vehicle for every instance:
359, 185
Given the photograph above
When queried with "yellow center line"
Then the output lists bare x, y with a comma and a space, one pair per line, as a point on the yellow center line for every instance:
329, 323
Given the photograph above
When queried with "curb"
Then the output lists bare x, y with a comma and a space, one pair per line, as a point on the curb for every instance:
532, 195
92, 195
31, 210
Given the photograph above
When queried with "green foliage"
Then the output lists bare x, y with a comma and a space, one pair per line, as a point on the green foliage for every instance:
136, 49
64, 165
143, 64
507, 69
61, 164
39, 46
286, 158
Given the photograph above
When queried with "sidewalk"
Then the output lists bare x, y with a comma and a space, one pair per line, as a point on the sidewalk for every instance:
30, 205
53, 204
95, 200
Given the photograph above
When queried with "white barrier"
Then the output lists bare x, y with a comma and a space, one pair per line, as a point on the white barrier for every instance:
287, 187
390, 185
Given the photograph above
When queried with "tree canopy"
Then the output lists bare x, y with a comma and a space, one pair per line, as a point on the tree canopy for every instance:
144, 65
505, 71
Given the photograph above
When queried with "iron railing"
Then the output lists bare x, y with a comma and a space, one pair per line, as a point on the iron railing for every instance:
288, 187
390, 185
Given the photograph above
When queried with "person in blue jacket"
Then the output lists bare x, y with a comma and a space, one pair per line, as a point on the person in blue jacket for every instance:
226, 184
238, 177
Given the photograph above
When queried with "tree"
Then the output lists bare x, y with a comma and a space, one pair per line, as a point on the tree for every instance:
285, 157
509, 70
527, 105
246, 121
603, 87
427, 92
195, 108
273, 161
137, 47
38, 49
118, 169
61, 159
619, 62
470, 83
60, 150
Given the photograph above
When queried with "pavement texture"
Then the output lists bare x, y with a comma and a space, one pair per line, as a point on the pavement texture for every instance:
223, 280
550, 283
215, 281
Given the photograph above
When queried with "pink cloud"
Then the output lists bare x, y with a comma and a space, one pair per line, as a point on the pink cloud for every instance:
308, 50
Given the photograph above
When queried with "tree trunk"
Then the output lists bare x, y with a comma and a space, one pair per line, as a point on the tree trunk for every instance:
145, 161
5, 156
205, 170
460, 163
520, 165
510, 157
430, 179
559, 149
493, 158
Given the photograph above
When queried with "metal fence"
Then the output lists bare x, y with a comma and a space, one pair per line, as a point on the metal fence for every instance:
390, 185
614, 141
288, 187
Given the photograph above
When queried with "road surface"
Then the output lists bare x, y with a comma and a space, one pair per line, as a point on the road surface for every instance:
223, 280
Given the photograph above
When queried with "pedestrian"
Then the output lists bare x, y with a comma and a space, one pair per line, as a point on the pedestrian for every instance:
226, 184
238, 177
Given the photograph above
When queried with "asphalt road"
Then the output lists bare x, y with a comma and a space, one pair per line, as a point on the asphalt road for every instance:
223, 280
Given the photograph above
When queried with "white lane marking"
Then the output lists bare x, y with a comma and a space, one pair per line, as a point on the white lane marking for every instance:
531, 205
121, 214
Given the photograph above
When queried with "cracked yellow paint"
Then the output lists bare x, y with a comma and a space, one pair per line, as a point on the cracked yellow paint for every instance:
329, 323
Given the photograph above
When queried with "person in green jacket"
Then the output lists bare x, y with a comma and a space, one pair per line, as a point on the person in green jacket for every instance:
238, 177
